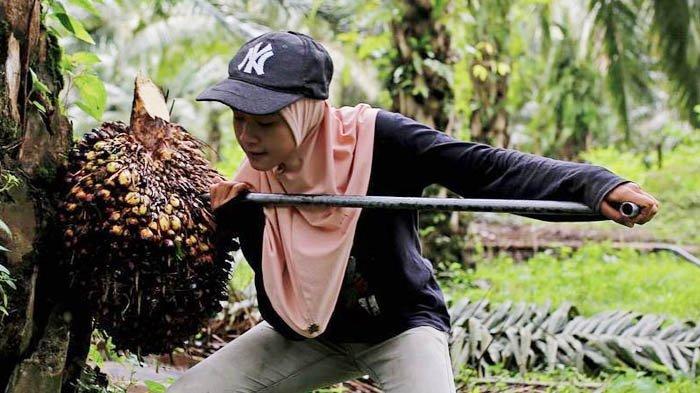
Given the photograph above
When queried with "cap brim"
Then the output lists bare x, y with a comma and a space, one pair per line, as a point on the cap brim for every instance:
247, 97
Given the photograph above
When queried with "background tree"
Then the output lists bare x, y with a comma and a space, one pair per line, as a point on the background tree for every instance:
419, 80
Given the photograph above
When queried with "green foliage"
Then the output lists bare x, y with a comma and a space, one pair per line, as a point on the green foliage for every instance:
8, 181
231, 154
6, 281
5, 229
102, 348
569, 112
526, 336
369, 43
679, 51
241, 276
93, 381
617, 22
575, 80
40, 88
471, 380
569, 380
155, 387
79, 67
93, 94
70, 23
675, 185
86, 5
95, 356
331, 389
595, 278
624, 163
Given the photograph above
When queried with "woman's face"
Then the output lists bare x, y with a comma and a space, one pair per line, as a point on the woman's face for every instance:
266, 140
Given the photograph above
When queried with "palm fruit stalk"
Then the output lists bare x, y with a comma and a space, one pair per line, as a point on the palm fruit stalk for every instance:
140, 239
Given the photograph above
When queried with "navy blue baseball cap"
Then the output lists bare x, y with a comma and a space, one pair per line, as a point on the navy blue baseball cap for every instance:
272, 71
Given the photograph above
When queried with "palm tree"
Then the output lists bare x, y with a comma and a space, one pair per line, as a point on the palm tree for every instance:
422, 42
672, 27
419, 79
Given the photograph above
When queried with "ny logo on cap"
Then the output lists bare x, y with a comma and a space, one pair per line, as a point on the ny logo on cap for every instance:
255, 59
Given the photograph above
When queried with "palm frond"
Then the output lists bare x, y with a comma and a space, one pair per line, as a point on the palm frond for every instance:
611, 19
238, 26
672, 23
526, 336
4, 228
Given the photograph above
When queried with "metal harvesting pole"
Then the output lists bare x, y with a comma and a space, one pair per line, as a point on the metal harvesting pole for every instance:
517, 206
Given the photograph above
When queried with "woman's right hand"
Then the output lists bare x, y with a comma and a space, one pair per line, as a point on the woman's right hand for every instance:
225, 190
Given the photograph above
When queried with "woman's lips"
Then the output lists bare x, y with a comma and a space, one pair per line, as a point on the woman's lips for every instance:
257, 154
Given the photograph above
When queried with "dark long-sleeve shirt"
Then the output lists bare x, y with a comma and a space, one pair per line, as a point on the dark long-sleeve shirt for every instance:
388, 286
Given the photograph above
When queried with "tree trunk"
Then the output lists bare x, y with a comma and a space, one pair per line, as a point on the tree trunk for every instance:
490, 119
45, 337
428, 98
417, 34
214, 139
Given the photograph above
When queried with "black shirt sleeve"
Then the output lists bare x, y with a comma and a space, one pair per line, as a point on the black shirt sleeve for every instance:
230, 216
475, 170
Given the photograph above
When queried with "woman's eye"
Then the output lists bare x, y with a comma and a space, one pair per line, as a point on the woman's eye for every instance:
266, 124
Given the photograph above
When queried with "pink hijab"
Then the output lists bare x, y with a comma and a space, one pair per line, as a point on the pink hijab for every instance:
306, 248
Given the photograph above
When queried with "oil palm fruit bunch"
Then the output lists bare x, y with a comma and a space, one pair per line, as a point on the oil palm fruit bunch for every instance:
139, 232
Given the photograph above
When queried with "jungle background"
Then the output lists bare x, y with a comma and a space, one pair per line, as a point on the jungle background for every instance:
610, 82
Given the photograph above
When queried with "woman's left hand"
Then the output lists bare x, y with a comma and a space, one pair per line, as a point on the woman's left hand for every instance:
629, 192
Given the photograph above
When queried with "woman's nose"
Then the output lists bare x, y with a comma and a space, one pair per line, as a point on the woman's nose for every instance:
246, 135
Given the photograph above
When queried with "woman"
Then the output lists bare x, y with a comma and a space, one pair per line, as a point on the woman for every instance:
344, 292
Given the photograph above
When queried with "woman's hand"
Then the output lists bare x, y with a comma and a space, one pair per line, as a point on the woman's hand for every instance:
629, 192
224, 191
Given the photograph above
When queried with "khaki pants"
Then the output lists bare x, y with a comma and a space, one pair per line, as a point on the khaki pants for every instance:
262, 360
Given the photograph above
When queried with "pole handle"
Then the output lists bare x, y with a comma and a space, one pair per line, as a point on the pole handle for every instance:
536, 207
629, 209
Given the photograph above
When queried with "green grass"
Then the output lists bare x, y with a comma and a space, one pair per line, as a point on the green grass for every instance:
676, 185
594, 278
569, 380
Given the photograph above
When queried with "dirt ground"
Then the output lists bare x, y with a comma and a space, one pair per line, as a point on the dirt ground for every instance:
522, 237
